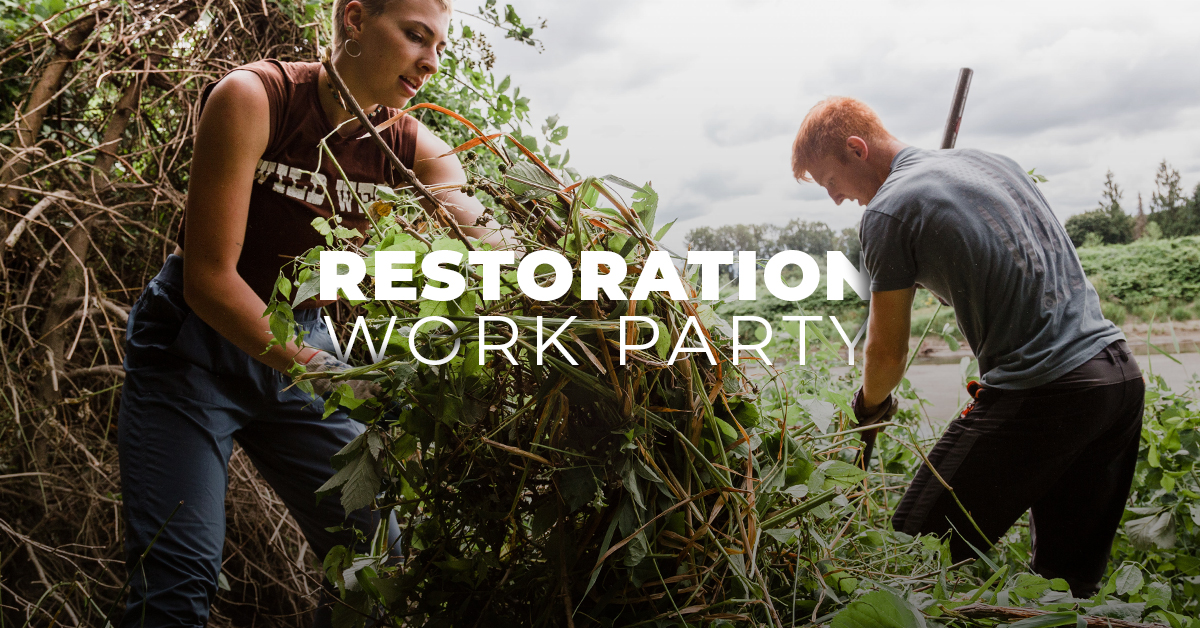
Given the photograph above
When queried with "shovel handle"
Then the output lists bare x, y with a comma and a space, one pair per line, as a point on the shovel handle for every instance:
956, 107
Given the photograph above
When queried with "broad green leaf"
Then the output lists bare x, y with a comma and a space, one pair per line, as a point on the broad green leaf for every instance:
746, 413
1153, 531
1157, 594
1030, 586
636, 550
879, 609
1129, 611
577, 487
281, 327
430, 307
307, 290
839, 474
284, 286
1128, 579
359, 482
527, 179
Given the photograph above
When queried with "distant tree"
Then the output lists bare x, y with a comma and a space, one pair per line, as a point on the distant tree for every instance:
849, 243
1139, 223
813, 238
1109, 224
1174, 212
1168, 193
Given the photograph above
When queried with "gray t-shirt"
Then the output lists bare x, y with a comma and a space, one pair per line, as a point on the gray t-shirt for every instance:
974, 229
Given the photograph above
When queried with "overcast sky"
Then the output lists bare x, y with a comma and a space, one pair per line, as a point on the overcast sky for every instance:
703, 97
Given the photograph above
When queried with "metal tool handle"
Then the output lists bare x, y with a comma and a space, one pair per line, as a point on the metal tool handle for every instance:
956, 107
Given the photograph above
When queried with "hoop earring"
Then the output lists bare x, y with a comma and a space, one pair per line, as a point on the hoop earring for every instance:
358, 46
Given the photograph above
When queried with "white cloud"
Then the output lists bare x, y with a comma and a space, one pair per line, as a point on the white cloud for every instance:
702, 97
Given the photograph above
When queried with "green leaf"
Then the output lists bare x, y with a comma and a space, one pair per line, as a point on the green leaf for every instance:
1063, 618
1128, 579
430, 307
879, 609
281, 327
1153, 531
645, 203
746, 413
529, 180
359, 481
662, 346
284, 286
307, 290
387, 194
665, 228
1129, 611
839, 474
1157, 594
577, 487
631, 485
503, 86
1030, 586
636, 550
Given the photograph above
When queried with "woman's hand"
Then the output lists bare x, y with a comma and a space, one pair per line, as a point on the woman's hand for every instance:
317, 361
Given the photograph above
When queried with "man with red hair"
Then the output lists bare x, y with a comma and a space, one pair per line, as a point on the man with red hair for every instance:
1055, 426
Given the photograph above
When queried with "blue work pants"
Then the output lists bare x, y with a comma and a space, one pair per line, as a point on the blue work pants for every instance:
189, 394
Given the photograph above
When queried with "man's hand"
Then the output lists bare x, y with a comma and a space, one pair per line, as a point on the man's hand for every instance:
865, 416
323, 362
878, 414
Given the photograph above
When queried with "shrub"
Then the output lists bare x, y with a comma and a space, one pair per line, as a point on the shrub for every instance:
1147, 271
1114, 312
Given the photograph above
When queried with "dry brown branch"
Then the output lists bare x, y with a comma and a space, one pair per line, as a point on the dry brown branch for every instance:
1010, 614
102, 138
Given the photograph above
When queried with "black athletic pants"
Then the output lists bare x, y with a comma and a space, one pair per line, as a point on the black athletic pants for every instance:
1064, 451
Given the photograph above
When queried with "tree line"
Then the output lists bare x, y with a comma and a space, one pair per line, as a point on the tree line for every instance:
814, 238
1172, 213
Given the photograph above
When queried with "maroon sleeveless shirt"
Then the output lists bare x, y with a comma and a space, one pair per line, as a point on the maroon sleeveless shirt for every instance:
294, 185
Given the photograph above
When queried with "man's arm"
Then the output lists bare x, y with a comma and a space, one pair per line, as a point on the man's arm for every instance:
887, 344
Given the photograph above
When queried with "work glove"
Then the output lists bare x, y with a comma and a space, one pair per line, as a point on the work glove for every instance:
325, 362
881, 414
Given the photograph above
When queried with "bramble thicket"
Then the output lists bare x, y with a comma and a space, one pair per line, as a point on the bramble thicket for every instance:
570, 491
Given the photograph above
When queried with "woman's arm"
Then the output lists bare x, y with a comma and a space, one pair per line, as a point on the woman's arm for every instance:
232, 136
432, 171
